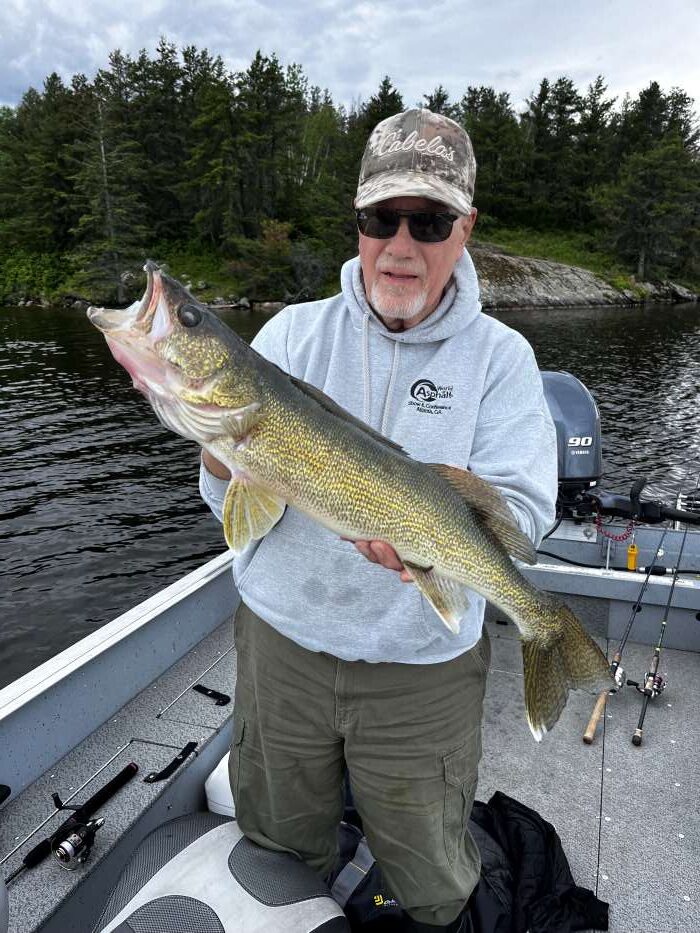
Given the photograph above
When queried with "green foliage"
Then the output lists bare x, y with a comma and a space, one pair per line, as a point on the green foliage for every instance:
38, 274
586, 250
650, 213
263, 267
253, 174
109, 177
274, 267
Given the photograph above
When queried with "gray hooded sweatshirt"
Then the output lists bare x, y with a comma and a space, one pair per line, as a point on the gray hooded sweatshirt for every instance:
458, 388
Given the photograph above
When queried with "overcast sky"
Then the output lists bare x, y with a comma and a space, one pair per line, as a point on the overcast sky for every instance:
349, 46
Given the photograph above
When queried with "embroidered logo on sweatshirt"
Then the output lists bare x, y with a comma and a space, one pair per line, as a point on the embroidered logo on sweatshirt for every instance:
429, 398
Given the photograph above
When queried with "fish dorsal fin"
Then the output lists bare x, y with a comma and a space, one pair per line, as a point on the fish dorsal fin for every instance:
335, 409
448, 598
249, 512
492, 509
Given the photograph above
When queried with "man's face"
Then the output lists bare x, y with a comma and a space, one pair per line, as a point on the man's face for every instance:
404, 279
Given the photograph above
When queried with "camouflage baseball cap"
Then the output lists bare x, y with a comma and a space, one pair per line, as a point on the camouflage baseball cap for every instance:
418, 153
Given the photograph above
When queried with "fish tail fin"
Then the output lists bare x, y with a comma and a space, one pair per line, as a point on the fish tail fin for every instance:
571, 661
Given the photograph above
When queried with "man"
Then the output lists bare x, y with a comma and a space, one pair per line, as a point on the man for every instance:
339, 662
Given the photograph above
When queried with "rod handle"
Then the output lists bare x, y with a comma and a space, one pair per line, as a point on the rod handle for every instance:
589, 734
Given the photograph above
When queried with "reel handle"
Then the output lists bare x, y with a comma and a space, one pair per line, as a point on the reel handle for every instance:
598, 710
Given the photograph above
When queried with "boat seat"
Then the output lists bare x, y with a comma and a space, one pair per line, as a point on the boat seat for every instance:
217, 788
200, 873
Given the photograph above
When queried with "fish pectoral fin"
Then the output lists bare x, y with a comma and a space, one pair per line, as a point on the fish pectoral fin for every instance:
239, 422
249, 512
448, 598
492, 508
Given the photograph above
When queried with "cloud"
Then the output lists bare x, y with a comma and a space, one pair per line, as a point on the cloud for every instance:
349, 46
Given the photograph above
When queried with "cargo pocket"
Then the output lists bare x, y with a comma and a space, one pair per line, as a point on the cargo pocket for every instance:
460, 786
234, 761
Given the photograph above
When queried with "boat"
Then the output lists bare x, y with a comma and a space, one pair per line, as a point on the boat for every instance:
143, 708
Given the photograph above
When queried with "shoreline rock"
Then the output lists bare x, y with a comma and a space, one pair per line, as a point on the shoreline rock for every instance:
517, 282
507, 282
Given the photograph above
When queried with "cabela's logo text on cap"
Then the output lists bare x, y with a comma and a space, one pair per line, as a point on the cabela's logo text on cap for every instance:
394, 143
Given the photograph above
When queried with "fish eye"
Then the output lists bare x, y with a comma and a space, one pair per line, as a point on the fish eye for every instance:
189, 315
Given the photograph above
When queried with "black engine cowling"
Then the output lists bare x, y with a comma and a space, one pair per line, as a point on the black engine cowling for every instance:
579, 445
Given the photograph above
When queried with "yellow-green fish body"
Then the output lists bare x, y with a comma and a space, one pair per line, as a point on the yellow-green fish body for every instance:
288, 443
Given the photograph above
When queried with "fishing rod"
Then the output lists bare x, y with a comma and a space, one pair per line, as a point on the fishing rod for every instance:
73, 839
654, 684
616, 670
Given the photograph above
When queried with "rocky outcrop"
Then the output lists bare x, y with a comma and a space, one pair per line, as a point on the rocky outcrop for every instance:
518, 282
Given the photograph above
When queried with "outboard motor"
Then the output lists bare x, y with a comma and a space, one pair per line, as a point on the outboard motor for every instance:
579, 445
200, 873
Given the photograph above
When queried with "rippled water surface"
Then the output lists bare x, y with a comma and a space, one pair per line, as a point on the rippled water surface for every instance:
99, 503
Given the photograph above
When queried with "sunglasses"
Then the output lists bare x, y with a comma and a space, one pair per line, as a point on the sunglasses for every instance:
382, 223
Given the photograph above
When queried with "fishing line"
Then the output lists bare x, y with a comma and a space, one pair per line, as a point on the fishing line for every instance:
616, 670
636, 608
653, 685
617, 657
189, 686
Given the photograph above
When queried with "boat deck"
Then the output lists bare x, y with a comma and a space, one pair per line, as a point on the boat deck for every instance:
628, 816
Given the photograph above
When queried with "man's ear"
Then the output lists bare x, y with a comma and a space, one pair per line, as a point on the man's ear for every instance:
468, 226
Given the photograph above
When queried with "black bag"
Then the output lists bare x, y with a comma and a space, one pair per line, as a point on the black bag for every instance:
358, 887
525, 879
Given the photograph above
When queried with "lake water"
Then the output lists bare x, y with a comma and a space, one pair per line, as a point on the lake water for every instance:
99, 506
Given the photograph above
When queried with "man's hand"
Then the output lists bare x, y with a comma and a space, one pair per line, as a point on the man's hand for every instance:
379, 552
215, 467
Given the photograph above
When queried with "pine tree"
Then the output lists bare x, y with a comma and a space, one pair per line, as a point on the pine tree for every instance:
35, 187
209, 186
490, 121
263, 127
438, 101
651, 210
595, 136
551, 132
111, 235
157, 125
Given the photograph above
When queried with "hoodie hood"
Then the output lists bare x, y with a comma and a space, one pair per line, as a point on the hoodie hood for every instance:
459, 306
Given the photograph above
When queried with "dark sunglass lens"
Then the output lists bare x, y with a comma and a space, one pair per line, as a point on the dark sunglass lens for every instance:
428, 227
379, 223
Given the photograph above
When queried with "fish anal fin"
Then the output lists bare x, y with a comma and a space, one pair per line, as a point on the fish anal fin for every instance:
492, 508
448, 598
249, 512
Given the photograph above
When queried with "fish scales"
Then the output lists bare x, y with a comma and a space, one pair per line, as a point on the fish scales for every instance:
364, 490
287, 443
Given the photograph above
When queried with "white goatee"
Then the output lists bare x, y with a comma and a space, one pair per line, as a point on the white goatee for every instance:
401, 307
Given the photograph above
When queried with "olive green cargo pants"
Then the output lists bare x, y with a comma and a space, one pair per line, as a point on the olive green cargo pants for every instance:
410, 735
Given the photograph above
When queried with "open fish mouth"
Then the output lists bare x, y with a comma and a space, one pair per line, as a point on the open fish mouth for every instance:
131, 333
138, 317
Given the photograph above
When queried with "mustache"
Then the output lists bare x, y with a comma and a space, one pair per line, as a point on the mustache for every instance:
398, 266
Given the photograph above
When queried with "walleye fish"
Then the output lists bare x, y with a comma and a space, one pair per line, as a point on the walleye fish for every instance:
286, 442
